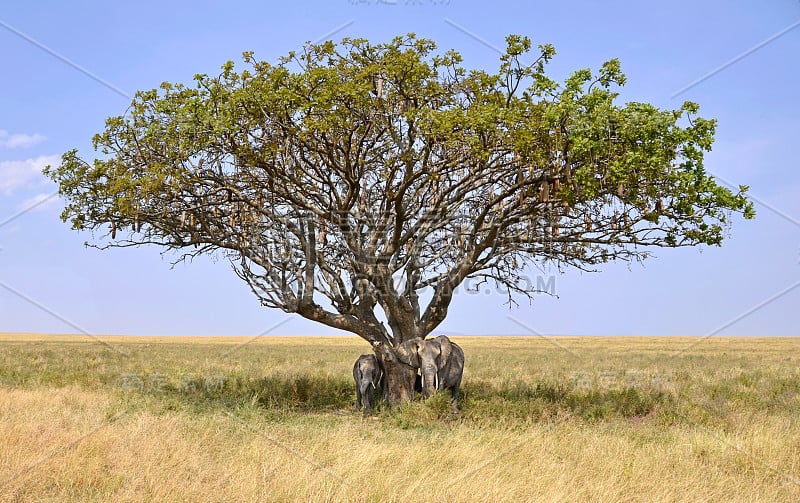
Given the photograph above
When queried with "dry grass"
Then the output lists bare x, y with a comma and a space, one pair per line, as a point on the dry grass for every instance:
539, 422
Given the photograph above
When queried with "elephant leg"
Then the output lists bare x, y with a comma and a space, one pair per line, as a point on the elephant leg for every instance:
454, 391
366, 394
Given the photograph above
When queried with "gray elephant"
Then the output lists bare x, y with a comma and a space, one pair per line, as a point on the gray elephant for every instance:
368, 375
441, 361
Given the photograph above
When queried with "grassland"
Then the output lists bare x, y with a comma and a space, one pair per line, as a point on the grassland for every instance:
272, 419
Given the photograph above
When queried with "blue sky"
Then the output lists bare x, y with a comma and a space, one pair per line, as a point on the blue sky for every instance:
49, 282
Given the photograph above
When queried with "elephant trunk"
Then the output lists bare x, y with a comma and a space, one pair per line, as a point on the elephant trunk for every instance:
429, 379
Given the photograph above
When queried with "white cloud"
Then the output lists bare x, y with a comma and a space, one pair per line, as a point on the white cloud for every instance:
38, 202
15, 175
8, 140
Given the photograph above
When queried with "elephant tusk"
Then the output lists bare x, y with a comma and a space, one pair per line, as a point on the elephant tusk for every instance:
423, 381
436, 381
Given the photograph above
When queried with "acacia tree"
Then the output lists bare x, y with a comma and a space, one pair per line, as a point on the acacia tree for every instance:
355, 183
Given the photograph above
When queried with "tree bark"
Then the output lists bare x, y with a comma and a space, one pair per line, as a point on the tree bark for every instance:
399, 382
399, 377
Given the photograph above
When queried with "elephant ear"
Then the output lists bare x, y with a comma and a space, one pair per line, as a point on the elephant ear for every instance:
446, 349
408, 352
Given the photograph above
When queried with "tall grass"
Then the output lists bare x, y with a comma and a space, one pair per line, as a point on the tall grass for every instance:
588, 419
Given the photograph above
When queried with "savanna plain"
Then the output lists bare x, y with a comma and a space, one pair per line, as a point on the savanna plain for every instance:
273, 419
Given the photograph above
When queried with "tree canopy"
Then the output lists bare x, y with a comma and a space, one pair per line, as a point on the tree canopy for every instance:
349, 181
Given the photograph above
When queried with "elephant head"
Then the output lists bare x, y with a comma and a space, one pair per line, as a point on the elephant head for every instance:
408, 352
434, 358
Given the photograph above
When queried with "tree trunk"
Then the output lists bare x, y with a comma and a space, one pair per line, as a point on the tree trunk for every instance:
399, 382
398, 385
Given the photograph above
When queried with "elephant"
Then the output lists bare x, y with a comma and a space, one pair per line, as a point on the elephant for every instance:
441, 361
368, 375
